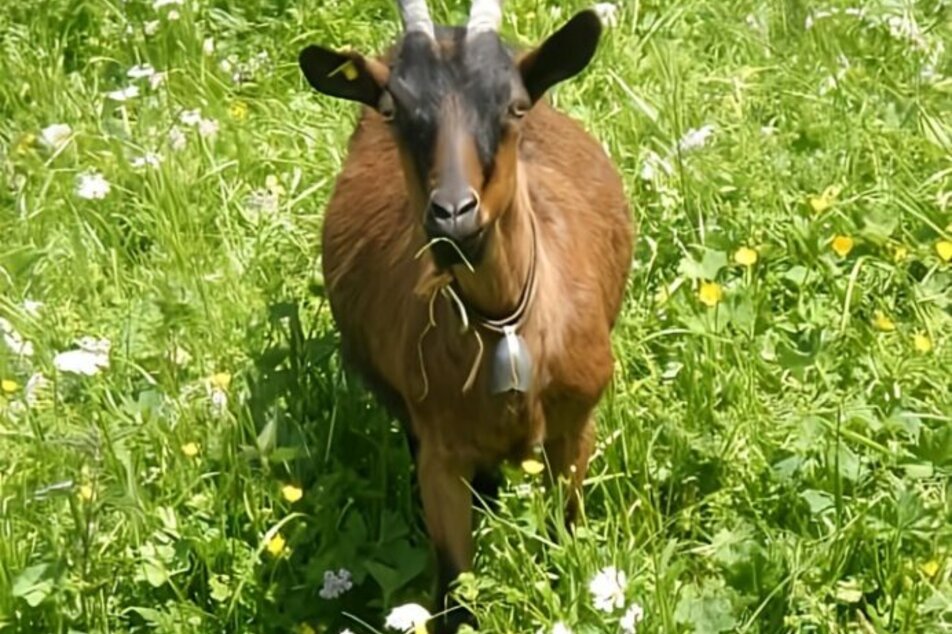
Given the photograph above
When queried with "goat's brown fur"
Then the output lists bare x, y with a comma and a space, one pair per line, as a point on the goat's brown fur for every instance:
457, 145
376, 288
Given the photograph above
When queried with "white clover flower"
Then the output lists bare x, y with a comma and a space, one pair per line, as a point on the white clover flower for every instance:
151, 27
124, 94
190, 117
177, 139
632, 617
695, 138
607, 13
335, 584
56, 136
208, 128
407, 618
208, 46
92, 186
17, 344
608, 589
140, 71
149, 159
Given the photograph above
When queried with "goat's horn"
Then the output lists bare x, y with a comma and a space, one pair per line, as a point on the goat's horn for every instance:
416, 16
484, 15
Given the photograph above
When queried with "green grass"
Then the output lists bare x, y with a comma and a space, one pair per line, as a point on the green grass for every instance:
777, 462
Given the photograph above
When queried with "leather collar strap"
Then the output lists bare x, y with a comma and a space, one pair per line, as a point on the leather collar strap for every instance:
515, 319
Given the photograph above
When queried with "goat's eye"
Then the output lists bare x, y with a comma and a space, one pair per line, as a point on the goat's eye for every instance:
518, 109
386, 106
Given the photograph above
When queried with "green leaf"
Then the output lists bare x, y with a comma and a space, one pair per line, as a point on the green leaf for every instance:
819, 501
708, 609
31, 587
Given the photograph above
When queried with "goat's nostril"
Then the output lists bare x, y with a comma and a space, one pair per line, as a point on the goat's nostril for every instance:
440, 212
466, 206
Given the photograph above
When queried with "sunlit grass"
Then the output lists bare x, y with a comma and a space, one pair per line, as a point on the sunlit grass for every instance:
180, 450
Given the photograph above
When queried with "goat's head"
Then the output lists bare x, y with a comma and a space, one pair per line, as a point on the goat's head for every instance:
455, 99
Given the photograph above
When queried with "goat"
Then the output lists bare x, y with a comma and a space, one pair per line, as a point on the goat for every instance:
475, 252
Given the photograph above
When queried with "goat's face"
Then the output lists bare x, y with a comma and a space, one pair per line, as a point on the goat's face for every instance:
455, 99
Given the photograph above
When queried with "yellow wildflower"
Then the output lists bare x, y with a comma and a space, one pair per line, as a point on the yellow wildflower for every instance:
25, 143
745, 256
291, 493
86, 492
900, 254
882, 322
221, 380
190, 449
842, 245
238, 110
824, 201
944, 249
532, 467
930, 568
922, 343
710, 293
277, 544
9, 386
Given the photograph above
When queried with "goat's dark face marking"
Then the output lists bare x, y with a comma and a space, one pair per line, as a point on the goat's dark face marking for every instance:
455, 102
455, 98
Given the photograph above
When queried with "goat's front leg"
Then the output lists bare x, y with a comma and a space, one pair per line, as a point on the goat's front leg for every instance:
447, 508
568, 458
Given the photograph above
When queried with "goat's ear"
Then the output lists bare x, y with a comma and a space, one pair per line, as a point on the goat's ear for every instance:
346, 75
563, 55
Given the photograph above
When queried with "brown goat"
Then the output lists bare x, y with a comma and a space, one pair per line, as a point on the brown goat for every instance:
475, 251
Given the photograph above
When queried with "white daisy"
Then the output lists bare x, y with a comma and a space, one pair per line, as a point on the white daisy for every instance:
140, 71
607, 13
561, 628
81, 362
56, 136
632, 617
173, 15
32, 307
158, 4
177, 139
17, 344
190, 117
92, 186
409, 617
149, 159
695, 138
157, 80
208, 127
151, 27
124, 94
608, 589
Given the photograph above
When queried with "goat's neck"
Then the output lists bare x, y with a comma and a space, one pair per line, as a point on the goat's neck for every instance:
496, 285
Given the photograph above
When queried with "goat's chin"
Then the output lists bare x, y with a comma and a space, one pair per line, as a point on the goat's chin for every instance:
472, 248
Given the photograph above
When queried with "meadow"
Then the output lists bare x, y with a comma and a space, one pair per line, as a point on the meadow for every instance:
182, 452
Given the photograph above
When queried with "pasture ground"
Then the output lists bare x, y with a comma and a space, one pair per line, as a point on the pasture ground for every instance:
774, 455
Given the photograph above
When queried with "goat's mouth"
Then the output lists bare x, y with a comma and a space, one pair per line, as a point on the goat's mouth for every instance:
451, 251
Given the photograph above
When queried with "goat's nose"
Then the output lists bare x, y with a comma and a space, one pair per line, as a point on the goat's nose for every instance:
454, 216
